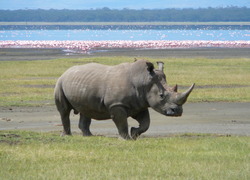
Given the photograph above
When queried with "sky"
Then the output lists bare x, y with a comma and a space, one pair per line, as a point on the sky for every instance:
118, 4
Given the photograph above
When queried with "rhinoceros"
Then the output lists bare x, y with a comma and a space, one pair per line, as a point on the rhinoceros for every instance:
117, 92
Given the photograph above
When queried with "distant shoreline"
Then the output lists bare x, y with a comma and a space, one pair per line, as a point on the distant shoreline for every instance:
126, 23
124, 26
31, 54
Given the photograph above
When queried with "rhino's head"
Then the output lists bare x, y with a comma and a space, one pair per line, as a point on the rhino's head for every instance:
162, 98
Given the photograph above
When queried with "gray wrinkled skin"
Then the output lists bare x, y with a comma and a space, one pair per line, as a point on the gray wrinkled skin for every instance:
116, 92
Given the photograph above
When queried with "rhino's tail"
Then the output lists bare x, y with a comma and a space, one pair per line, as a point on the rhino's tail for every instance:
61, 100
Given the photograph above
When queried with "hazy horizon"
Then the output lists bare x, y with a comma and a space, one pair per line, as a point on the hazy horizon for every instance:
119, 4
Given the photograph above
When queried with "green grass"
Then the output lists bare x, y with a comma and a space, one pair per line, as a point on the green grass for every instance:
30, 155
31, 82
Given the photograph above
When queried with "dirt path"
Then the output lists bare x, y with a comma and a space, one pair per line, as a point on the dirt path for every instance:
219, 118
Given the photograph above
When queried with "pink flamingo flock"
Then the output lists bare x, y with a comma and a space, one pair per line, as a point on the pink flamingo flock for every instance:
86, 46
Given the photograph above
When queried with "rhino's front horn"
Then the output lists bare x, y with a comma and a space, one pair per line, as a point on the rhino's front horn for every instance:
182, 97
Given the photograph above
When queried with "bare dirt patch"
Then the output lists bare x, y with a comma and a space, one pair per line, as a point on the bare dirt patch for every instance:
214, 118
38, 86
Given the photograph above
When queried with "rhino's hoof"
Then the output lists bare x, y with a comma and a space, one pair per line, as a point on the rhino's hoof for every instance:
134, 133
65, 134
87, 134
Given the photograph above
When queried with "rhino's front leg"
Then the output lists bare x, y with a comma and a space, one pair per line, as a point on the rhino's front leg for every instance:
144, 122
84, 124
119, 116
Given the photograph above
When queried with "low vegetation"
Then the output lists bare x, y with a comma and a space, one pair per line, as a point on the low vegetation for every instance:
25, 83
30, 155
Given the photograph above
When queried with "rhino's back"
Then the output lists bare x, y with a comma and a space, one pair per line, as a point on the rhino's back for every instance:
94, 77
84, 76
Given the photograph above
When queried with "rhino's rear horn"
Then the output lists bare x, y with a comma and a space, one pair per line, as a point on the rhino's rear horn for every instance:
182, 97
160, 65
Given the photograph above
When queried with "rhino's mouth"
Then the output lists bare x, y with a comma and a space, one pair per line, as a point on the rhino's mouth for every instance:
174, 112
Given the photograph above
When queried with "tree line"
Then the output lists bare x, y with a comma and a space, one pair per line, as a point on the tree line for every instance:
228, 14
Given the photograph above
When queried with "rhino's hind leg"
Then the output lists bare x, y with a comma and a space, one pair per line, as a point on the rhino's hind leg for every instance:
119, 116
66, 122
84, 124
64, 109
144, 122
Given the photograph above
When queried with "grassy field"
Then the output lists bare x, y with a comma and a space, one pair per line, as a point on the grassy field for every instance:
25, 83
30, 155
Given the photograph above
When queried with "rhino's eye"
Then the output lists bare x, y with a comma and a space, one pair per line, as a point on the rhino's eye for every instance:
162, 96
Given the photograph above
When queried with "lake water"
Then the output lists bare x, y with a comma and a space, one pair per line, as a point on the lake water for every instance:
134, 35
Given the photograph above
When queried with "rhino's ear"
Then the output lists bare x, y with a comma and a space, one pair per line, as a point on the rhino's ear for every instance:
150, 67
175, 88
160, 65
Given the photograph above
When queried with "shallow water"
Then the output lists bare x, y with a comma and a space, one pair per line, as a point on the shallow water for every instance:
134, 35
